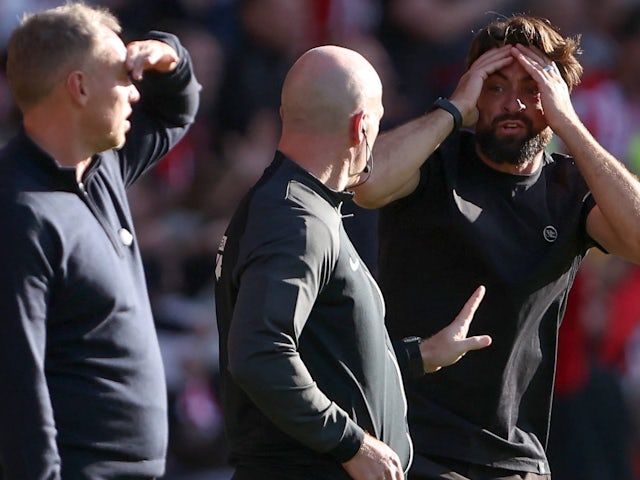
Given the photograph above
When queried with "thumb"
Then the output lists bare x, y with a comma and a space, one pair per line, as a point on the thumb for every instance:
477, 342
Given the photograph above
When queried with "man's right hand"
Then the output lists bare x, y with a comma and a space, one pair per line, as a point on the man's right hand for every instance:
466, 94
451, 343
374, 461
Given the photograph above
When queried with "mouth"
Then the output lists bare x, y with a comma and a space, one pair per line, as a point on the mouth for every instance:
510, 127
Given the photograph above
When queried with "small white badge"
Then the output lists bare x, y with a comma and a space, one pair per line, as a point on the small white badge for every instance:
125, 237
550, 233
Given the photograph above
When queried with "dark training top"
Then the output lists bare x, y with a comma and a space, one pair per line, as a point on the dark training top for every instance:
82, 389
306, 362
523, 237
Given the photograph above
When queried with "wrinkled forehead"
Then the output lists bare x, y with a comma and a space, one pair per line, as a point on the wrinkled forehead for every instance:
512, 72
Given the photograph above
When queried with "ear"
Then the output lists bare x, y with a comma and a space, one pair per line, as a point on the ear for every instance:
358, 128
77, 87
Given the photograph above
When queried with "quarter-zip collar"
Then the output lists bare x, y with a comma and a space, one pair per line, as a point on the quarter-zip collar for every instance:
334, 197
64, 177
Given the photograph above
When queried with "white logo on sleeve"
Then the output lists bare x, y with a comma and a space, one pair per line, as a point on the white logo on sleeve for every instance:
550, 233
220, 254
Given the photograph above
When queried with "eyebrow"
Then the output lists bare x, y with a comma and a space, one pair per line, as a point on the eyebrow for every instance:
526, 78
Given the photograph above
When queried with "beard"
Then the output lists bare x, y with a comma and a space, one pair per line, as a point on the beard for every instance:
512, 149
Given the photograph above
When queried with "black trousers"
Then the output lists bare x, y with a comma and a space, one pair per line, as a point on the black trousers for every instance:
424, 468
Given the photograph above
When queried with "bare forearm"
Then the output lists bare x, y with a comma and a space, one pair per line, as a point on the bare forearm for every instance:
615, 189
398, 156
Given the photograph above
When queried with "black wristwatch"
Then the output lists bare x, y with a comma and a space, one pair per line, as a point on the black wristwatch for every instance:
446, 105
414, 357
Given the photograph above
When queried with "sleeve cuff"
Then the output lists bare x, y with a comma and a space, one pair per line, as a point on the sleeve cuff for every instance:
350, 443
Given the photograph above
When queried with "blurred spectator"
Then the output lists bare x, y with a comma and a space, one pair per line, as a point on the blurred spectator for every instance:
339, 18
273, 34
610, 104
12, 11
591, 435
428, 40
595, 21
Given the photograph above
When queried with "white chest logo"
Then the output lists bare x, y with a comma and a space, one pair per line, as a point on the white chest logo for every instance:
550, 233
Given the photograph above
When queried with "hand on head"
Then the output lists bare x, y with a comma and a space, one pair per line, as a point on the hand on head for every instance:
150, 55
466, 94
554, 91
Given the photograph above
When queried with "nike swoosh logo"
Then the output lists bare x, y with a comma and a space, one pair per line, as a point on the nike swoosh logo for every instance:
354, 264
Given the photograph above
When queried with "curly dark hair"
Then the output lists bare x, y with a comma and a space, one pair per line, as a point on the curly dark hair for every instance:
532, 32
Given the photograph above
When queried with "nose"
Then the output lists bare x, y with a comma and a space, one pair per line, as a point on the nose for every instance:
515, 105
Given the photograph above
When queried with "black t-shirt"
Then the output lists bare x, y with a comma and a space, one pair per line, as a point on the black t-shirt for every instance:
523, 237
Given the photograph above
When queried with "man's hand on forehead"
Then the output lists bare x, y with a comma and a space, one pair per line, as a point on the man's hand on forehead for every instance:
150, 55
535, 55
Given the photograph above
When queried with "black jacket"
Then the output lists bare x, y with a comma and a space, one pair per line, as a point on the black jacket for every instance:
306, 361
82, 390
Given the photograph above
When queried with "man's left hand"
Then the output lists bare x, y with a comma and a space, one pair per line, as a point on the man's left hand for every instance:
155, 55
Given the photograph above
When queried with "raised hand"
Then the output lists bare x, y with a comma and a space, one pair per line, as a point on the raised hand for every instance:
145, 55
468, 90
555, 97
451, 343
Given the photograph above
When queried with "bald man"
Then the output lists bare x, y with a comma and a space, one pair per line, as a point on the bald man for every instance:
311, 383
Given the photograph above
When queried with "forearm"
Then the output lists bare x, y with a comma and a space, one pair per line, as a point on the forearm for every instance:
615, 189
398, 156
280, 385
28, 448
275, 299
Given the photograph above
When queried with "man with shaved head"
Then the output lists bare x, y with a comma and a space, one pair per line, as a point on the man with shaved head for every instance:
311, 382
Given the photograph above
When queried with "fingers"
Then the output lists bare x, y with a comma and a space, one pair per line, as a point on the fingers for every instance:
375, 459
470, 307
477, 342
466, 314
150, 55
535, 60
470, 85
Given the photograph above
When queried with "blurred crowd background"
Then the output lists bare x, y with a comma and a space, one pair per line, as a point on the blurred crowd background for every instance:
242, 50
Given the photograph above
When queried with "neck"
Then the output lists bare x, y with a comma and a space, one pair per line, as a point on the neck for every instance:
56, 136
321, 158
